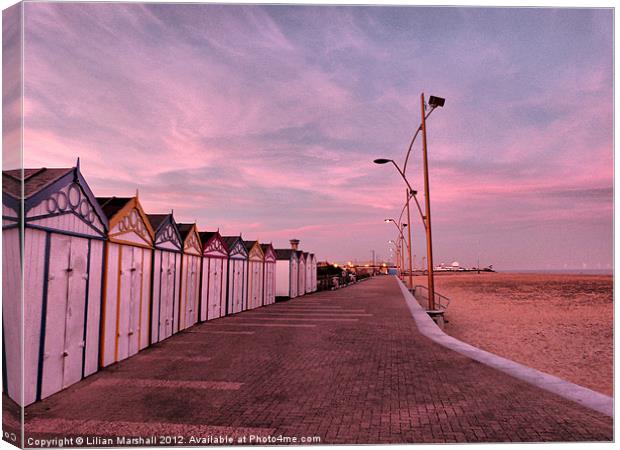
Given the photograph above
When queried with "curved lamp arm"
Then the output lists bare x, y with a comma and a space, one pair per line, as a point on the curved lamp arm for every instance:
414, 137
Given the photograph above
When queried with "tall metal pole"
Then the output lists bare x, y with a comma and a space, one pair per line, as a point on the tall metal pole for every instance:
402, 255
407, 193
429, 239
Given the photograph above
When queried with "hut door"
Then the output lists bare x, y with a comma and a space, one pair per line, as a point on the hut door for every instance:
256, 284
239, 288
64, 330
136, 300
167, 293
129, 302
193, 290
215, 287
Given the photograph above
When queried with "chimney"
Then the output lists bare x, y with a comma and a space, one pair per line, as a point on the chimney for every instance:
294, 243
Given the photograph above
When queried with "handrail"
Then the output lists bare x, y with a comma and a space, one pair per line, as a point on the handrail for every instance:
441, 301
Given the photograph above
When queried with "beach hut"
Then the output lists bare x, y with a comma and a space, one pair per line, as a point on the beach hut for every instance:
63, 238
190, 275
313, 285
237, 286
127, 279
308, 272
301, 273
214, 276
269, 274
256, 261
286, 273
166, 276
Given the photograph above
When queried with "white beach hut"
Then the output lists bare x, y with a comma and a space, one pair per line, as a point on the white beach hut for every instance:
237, 285
269, 274
256, 262
166, 277
127, 279
313, 283
286, 273
301, 273
214, 276
191, 271
308, 258
63, 239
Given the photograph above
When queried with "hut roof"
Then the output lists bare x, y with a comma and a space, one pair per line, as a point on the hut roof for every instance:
112, 205
231, 241
157, 219
265, 247
249, 244
34, 180
284, 253
206, 235
185, 228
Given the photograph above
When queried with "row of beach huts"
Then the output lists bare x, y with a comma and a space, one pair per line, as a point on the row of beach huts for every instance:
102, 279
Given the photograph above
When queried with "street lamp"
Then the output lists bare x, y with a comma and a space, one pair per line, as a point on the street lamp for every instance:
433, 102
408, 245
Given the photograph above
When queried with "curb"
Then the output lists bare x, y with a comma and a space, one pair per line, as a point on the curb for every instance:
570, 391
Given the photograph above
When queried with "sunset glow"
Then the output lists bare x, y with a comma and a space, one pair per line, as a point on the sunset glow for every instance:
265, 120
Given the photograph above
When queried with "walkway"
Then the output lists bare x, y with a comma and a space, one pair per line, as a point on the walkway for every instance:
347, 366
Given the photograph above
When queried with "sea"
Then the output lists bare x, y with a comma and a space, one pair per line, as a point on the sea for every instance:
562, 271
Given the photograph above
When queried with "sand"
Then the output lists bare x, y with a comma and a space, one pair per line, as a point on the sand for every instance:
559, 324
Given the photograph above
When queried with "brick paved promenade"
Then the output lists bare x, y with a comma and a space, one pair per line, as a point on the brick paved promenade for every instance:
348, 366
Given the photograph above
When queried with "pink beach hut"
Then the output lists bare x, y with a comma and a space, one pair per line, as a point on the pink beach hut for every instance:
214, 276
166, 282
64, 231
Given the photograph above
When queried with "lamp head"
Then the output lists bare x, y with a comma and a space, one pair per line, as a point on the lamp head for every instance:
436, 101
382, 161
388, 220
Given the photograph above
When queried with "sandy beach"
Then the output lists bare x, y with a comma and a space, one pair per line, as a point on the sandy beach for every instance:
559, 324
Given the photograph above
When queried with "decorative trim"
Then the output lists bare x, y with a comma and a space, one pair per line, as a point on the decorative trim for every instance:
86, 308
46, 274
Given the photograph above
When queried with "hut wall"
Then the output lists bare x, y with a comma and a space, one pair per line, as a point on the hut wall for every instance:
166, 286
308, 276
190, 290
126, 302
214, 276
301, 276
63, 255
269, 282
11, 318
237, 285
255, 284
314, 274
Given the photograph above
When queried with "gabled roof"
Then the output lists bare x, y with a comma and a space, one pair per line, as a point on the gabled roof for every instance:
249, 244
185, 229
112, 205
206, 235
157, 219
35, 180
213, 244
231, 241
285, 253
117, 210
40, 184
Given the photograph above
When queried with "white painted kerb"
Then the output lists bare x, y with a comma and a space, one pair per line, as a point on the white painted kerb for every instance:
570, 391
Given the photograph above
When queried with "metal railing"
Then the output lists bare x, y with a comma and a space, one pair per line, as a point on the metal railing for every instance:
421, 294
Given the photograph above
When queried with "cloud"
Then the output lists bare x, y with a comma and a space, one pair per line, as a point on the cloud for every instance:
268, 118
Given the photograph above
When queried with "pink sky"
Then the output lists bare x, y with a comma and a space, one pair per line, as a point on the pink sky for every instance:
265, 120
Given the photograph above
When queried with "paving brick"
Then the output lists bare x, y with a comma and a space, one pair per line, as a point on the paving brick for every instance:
374, 379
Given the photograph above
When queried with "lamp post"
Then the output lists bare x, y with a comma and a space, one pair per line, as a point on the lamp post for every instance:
434, 102
402, 237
